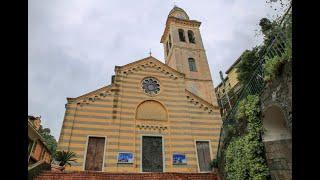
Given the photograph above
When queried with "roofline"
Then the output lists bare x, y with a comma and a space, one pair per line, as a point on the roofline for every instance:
37, 132
176, 8
204, 101
134, 62
119, 67
32, 126
91, 92
233, 65
31, 117
221, 82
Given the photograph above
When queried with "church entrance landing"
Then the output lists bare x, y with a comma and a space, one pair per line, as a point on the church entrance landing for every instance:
152, 154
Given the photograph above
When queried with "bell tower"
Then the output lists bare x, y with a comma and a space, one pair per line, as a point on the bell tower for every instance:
184, 52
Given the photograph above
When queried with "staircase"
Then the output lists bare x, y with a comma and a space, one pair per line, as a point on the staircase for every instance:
89, 175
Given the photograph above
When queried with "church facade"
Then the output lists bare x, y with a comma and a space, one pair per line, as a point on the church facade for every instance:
154, 116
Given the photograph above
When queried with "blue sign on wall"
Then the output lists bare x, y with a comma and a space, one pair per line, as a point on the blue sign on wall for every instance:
125, 157
179, 159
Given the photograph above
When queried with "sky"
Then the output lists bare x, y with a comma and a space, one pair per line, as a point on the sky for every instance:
74, 45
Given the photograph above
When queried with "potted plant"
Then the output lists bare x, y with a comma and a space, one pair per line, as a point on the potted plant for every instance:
214, 165
63, 158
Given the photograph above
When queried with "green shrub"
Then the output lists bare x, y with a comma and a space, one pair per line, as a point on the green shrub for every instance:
247, 64
273, 65
287, 55
245, 154
48, 138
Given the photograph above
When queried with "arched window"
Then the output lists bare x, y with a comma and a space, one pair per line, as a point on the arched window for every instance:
181, 35
192, 64
191, 37
170, 41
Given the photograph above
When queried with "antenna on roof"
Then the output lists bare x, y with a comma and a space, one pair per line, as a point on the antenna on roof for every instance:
150, 52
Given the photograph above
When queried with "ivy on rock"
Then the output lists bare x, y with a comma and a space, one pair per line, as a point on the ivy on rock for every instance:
245, 154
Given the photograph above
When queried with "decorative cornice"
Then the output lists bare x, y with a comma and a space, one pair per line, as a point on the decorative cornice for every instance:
151, 127
200, 103
189, 49
191, 79
192, 23
93, 96
148, 62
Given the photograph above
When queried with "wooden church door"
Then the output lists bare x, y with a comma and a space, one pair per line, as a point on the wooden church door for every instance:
203, 152
95, 151
152, 160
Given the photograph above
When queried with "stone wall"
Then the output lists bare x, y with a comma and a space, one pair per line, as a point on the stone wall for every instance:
49, 175
279, 158
278, 94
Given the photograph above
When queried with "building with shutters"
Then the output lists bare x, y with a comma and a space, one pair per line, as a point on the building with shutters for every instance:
37, 148
231, 86
154, 116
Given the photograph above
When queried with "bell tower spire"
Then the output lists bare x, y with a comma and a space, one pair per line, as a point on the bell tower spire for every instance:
184, 52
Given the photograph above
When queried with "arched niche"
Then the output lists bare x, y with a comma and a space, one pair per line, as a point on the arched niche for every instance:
151, 110
274, 124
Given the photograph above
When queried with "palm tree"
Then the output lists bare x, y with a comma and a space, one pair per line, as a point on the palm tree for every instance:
65, 157
214, 163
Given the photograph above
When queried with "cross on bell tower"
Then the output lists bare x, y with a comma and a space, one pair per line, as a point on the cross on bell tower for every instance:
150, 52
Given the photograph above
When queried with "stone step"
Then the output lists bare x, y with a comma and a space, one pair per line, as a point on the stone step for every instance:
124, 176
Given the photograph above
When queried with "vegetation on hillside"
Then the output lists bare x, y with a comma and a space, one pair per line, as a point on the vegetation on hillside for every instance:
242, 154
49, 139
247, 63
272, 66
245, 154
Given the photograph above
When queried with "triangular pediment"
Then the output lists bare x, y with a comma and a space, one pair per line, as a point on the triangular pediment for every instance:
93, 95
148, 62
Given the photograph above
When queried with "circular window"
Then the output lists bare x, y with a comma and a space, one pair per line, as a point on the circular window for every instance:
150, 86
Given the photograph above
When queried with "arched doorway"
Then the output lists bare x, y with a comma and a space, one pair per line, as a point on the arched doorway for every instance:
152, 145
278, 143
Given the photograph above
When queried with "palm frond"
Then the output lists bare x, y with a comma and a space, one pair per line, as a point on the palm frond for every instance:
65, 157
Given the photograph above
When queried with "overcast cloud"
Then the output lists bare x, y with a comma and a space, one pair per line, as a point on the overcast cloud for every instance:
75, 44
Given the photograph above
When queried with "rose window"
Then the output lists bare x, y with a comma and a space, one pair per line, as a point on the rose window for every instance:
150, 86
